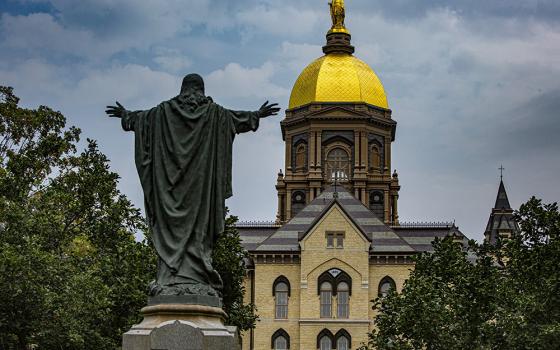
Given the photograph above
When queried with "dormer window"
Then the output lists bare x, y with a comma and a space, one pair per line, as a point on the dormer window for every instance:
335, 239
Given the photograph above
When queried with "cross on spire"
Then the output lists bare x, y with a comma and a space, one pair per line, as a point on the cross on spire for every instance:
501, 168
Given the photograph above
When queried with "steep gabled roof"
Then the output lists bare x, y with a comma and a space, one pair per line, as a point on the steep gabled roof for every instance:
501, 218
502, 201
383, 238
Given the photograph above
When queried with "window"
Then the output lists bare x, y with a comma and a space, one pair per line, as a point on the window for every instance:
343, 340
281, 300
342, 343
334, 283
298, 202
376, 204
326, 300
325, 340
335, 238
280, 343
301, 152
280, 340
339, 240
337, 165
330, 240
375, 158
325, 343
281, 293
385, 286
342, 292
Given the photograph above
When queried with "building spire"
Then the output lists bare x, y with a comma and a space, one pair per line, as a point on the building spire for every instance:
501, 223
501, 168
502, 201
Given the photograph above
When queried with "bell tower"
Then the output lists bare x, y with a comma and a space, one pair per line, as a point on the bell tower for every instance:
338, 128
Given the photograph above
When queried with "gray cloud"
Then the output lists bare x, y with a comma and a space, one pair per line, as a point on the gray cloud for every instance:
472, 85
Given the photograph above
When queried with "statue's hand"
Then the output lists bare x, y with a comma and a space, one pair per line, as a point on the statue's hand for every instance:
117, 111
267, 110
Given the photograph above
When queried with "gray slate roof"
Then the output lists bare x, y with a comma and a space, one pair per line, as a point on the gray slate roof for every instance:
286, 238
501, 218
421, 236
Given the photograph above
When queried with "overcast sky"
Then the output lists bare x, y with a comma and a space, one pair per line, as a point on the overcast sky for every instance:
473, 84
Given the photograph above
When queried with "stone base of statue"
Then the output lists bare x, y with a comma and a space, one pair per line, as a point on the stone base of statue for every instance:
171, 324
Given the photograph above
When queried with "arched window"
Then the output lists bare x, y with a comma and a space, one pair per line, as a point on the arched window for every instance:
301, 154
325, 340
326, 299
342, 297
342, 343
281, 293
343, 340
375, 157
280, 340
325, 343
334, 282
385, 286
337, 165
376, 204
298, 202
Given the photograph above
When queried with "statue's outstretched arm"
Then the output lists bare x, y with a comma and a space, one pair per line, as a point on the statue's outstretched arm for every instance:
244, 121
118, 111
267, 110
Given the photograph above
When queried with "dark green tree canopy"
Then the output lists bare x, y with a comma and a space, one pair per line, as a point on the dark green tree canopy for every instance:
72, 270
484, 297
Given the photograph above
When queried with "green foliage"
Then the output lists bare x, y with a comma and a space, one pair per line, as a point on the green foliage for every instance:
229, 260
482, 297
73, 275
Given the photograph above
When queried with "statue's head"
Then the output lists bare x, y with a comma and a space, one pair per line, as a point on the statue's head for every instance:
192, 92
192, 83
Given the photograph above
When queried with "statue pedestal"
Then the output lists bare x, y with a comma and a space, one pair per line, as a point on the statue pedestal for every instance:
181, 327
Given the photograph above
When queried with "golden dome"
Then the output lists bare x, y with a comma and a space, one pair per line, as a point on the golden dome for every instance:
338, 77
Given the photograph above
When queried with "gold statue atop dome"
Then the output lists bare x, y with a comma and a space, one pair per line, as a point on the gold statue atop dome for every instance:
337, 16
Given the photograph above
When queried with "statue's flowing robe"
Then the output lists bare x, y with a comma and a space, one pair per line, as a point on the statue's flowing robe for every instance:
183, 158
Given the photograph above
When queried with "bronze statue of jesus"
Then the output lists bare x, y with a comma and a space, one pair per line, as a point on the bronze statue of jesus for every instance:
183, 151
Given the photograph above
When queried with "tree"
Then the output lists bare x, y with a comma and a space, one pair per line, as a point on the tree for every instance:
73, 275
482, 297
229, 259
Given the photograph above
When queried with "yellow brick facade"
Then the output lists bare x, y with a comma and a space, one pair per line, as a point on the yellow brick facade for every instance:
304, 323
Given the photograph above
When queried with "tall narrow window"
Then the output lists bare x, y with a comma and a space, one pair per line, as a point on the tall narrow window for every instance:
337, 165
301, 153
330, 240
339, 240
281, 292
385, 286
326, 300
342, 343
280, 343
326, 343
281, 300
280, 340
375, 158
376, 204
298, 202
342, 297
343, 340
325, 340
